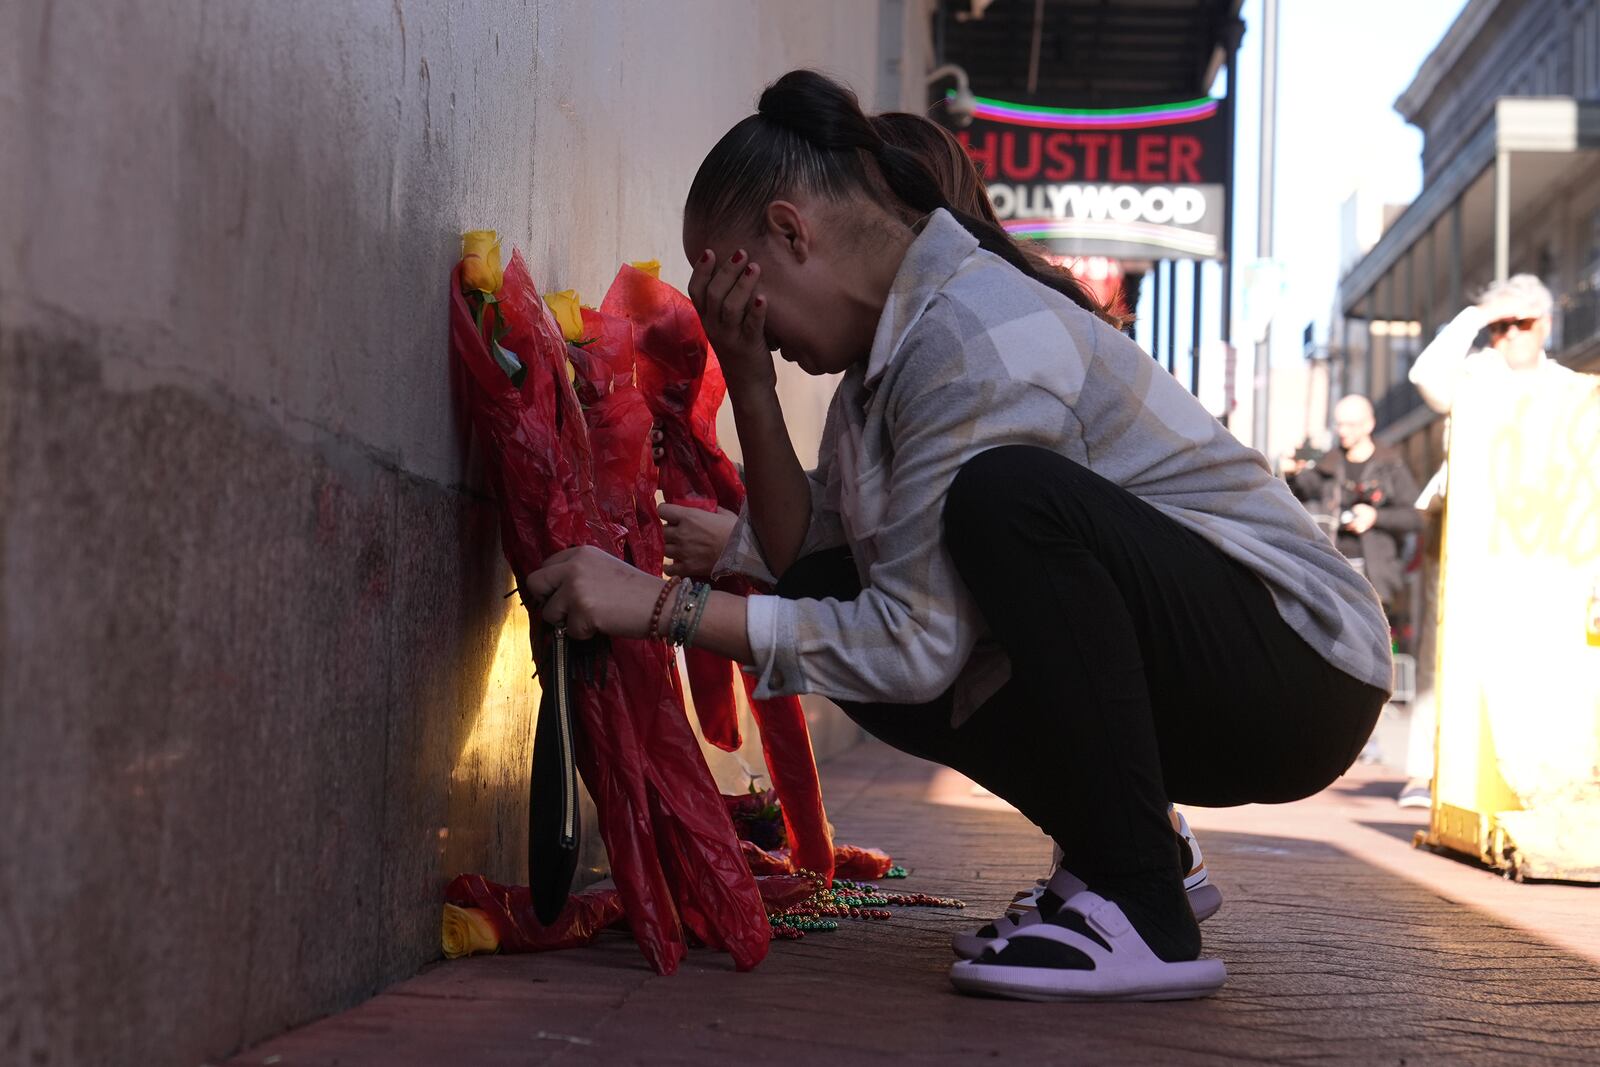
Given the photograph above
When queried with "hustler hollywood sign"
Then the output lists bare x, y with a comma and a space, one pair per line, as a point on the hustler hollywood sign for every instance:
1131, 183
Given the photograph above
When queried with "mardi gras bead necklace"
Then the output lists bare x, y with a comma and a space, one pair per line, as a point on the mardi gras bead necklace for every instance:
846, 899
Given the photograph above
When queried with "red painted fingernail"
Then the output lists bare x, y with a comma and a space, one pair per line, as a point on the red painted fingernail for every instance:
738, 257
705, 257
761, 301
751, 269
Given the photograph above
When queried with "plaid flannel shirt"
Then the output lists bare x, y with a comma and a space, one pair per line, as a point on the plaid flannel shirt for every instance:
970, 355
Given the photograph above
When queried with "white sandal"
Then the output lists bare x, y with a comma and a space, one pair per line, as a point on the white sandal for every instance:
1028, 908
1024, 911
1121, 965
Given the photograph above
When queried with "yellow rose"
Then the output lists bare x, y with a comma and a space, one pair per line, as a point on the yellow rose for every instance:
651, 267
569, 315
480, 260
467, 931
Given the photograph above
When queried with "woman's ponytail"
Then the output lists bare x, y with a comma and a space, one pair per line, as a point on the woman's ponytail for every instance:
809, 133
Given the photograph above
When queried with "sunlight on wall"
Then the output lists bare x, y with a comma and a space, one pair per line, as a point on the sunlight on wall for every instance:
509, 710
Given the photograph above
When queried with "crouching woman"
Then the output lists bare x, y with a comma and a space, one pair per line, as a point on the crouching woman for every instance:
1027, 553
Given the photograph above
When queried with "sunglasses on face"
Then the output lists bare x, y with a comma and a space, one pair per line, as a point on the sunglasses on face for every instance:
1499, 329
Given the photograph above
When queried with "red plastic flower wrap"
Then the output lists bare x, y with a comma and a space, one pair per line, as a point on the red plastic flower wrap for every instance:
716, 898
508, 912
683, 385
861, 864
667, 835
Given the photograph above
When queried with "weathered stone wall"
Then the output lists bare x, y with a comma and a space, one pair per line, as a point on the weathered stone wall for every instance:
259, 691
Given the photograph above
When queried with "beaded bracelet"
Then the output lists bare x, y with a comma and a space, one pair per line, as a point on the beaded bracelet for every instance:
683, 613
669, 617
699, 613
661, 600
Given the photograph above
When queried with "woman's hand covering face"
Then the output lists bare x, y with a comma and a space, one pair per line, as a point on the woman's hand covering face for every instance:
734, 317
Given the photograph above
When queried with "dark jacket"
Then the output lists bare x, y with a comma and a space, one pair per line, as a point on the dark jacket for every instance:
1321, 486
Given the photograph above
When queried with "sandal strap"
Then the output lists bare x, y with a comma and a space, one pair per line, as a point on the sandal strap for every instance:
1061, 935
1105, 918
1005, 926
1066, 885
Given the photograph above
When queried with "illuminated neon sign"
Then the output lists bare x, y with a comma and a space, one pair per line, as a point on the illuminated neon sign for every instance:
1127, 182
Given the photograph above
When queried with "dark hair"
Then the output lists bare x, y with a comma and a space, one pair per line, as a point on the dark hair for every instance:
810, 134
944, 156
958, 177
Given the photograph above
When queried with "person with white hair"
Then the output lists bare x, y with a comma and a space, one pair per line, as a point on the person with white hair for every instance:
1516, 314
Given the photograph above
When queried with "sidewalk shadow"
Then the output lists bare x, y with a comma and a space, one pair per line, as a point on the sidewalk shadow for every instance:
1400, 831
1330, 956
1378, 787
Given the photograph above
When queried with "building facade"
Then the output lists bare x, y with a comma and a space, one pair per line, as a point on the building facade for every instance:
1509, 107
1508, 104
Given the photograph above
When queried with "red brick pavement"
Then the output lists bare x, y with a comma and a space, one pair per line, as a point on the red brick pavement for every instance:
1343, 946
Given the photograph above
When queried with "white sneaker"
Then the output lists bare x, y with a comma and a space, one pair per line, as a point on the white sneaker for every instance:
1204, 897
1417, 793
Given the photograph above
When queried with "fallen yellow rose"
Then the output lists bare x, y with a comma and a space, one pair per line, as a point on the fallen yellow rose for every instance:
480, 261
568, 313
467, 931
651, 267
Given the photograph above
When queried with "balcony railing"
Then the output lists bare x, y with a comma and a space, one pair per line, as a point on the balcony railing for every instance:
1577, 319
1401, 399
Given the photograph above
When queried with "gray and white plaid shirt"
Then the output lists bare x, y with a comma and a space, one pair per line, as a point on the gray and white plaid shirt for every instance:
970, 355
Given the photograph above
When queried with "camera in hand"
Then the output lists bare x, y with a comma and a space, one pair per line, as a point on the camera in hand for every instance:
1369, 493
1309, 453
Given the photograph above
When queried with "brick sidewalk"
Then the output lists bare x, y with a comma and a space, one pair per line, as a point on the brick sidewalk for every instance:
1343, 946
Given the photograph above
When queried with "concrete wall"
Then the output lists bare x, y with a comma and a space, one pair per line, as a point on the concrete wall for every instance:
259, 691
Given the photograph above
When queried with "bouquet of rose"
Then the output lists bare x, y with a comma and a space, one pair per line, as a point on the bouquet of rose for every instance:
560, 483
683, 385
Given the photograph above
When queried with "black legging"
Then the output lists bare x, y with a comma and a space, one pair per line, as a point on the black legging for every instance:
1146, 666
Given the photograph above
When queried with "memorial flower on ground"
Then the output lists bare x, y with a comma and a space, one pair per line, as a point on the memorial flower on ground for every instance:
467, 932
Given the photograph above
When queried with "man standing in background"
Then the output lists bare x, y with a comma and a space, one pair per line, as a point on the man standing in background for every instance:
1370, 494
1366, 496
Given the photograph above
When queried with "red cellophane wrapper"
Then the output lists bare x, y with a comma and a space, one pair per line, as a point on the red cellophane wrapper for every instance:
684, 390
780, 892
861, 864
682, 383
543, 473
715, 894
849, 861
764, 862
510, 909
